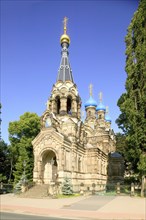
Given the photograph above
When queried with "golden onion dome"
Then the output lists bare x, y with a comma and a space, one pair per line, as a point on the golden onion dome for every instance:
65, 38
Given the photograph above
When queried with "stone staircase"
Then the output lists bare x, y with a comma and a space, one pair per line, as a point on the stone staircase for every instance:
37, 191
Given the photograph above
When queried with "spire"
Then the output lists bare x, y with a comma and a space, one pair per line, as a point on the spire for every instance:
65, 71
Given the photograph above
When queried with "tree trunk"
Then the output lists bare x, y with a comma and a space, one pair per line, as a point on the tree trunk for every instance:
142, 185
11, 170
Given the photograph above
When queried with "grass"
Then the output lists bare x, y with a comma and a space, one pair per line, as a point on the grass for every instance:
61, 196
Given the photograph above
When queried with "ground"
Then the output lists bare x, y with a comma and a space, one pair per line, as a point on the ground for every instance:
82, 207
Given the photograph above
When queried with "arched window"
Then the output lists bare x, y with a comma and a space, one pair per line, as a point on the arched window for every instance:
100, 117
58, 104
69, 105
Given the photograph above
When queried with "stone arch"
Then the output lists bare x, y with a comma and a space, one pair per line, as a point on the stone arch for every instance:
69, 104
49, 165
44, 118
58, 105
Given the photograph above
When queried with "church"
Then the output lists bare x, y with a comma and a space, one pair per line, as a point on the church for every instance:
67, 145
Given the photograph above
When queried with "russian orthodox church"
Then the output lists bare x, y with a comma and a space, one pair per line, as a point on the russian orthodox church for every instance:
67, 145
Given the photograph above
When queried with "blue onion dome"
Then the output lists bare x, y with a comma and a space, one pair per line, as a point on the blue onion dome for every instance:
91, 102
107, 118
100, 107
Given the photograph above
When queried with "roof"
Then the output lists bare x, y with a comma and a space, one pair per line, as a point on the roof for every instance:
90, 102
100, 107
65, 71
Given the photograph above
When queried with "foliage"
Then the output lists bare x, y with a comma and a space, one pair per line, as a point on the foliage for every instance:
4, 162
142, 163
121, 143
21, 134
67, 187
132, 103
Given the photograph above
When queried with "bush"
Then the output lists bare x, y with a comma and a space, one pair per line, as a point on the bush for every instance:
67, 187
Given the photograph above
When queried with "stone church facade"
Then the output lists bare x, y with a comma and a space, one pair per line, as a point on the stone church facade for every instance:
67, 145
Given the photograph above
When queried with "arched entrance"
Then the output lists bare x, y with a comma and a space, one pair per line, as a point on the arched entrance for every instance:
49, 164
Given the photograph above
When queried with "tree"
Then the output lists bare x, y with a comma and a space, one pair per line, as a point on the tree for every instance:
132, 103
21, 134
67, 187
4, 162
121, 143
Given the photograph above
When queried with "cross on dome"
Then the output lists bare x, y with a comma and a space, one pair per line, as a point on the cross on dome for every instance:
100, 96
91, 89
65, 24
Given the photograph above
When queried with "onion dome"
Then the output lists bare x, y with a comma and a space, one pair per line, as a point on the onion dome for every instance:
107, 117
90, 102
65, 38
100, 107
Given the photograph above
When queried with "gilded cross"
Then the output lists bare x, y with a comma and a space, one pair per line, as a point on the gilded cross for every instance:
90, 89
100, 96
65, 24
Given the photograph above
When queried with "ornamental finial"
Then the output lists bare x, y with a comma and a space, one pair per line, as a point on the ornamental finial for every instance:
65, 24
65, 38
100, 96
90, 89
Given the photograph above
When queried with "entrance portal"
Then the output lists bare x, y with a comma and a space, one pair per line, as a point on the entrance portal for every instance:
49, 167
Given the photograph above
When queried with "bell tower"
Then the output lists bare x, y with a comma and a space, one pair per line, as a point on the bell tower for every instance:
64, 99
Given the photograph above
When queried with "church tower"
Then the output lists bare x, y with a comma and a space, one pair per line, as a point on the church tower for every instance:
66, 146
65, 100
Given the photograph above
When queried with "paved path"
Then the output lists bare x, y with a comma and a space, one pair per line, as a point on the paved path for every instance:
88, 207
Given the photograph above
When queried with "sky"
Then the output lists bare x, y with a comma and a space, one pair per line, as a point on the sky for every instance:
31, 52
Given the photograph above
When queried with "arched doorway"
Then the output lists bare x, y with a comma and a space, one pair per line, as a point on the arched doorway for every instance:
49, 166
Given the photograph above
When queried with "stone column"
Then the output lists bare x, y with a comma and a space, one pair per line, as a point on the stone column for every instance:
79, 110
54, 106
63, 105
40, 175
74, 107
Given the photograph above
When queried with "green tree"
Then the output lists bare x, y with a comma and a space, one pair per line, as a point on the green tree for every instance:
121, 143
4, 162
21, 134
67, 187
132, 103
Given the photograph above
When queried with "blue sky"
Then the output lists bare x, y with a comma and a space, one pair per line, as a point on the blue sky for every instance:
31, 52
